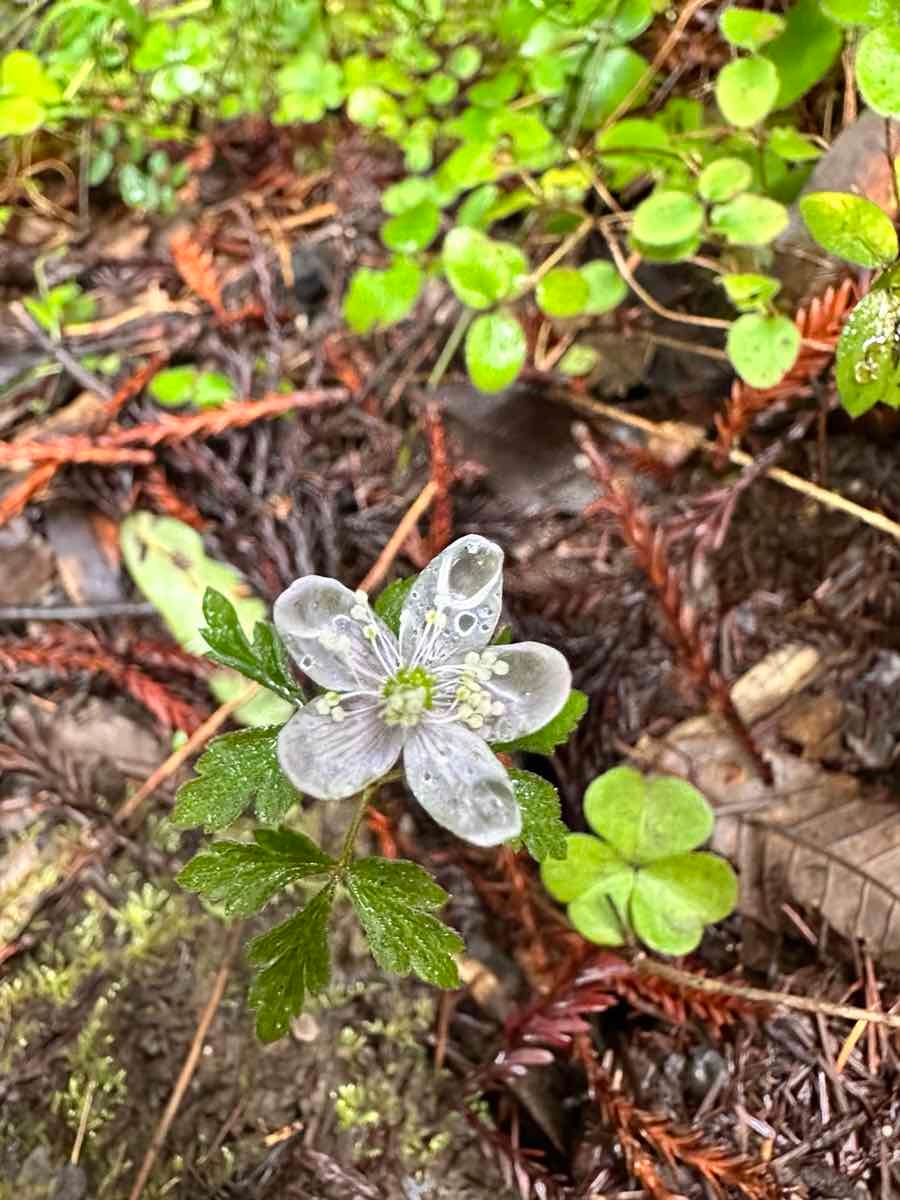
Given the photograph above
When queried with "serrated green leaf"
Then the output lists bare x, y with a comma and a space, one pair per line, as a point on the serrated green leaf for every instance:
294, 962
543, 831
647, 819
554, 733
235, 769
265, 660
389, 603
851, 227
393, 901
674, 898
243, 876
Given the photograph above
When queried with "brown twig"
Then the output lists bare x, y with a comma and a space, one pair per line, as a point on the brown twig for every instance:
672, 432
682, 619
19, 496
441, 528
807, 1004
190, 1064
375, 576
197, 739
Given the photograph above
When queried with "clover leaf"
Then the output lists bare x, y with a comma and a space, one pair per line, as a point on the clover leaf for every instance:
642, 874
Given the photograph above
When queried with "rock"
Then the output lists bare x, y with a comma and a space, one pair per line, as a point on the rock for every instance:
525, 442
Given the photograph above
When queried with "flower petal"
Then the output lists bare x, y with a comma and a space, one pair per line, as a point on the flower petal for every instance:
532, 692
461, 784
330, 759
464, 584
313, 618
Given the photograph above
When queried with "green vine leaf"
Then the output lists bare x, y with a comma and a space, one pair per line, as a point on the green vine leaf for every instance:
543, 831
244, 876
382, 298
878, 70
495, 351
555, 733
235, 769
294, 962
867, 368
394, 901
762, 349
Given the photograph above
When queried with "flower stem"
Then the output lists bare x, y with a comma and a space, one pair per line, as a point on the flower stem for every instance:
347, 849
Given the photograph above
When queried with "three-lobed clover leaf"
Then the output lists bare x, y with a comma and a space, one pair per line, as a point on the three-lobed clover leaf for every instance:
643, 872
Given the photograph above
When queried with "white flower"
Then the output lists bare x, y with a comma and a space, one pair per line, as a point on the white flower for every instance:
438, 694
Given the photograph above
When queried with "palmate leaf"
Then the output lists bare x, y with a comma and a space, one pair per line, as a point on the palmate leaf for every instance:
243, 876
294, 961
393, 901
235, 769
264, 660
554, 733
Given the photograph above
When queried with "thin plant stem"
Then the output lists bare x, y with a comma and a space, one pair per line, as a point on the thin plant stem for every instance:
450, 347
350, 840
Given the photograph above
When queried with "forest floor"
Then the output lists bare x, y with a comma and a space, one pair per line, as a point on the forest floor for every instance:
125, 1037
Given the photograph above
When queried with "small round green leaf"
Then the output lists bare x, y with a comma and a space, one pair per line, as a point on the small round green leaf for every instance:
578, 360
647, 819
749, 220
20, 114
563, 292
673, 900
441, 89
382, 297
606, 287
401, 197
173, 386
763, 349
867, 367
464, 62
677, 252
212, 390
749, 29
748, 291
746, 91
413, 229
878, 70
724, 179
667, 217
850, 227
477, 268
495, 351
791, 145
588, 860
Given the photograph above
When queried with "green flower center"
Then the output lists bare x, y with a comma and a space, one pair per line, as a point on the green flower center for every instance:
408, 694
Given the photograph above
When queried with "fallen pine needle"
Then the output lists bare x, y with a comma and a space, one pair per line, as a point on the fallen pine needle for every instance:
190, 1064
197, 739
